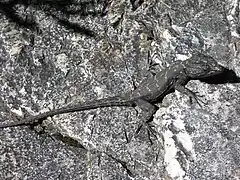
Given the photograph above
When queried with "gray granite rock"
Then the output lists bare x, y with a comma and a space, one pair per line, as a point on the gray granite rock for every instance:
55, 53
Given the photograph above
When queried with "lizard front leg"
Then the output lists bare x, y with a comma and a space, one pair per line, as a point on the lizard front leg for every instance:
181, 88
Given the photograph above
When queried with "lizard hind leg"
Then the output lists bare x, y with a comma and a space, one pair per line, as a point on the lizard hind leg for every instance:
146, 115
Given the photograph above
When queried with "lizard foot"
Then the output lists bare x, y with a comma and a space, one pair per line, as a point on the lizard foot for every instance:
149, 128
197, 98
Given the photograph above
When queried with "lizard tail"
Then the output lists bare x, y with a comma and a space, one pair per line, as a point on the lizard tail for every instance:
107, 102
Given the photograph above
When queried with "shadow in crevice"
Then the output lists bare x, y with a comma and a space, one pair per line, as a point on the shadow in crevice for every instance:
8, 10
60, 10
136, 4
227, 76
68, 140
76, 28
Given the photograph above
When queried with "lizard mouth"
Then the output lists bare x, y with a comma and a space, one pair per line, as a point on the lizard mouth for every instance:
214, 72
217, 71
219, 68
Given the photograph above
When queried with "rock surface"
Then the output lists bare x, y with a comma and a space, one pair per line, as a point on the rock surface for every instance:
55, 53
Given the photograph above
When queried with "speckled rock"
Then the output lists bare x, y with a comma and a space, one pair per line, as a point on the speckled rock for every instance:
55, 53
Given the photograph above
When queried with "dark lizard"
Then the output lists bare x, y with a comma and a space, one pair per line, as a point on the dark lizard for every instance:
150, 91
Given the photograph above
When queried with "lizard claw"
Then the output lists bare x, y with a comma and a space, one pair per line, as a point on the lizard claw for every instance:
199, 101
148, 127
138, 129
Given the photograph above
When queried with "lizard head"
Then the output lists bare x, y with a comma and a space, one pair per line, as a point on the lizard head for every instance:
200, 66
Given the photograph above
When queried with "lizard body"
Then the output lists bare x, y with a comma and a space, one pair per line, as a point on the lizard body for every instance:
151, 90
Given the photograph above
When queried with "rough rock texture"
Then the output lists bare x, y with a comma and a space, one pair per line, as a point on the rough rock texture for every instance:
54, 53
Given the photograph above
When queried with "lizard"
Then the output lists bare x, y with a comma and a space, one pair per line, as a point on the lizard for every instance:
149, 91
